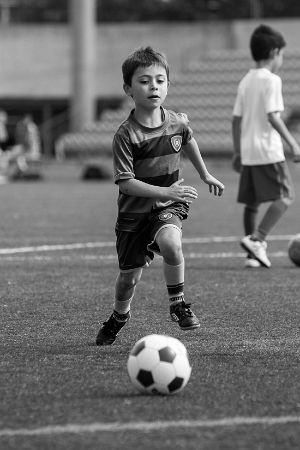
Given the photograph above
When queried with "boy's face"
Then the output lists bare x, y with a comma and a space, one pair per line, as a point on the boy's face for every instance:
149, 87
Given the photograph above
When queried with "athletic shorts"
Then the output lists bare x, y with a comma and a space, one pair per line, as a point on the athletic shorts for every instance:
265, 183
136, 243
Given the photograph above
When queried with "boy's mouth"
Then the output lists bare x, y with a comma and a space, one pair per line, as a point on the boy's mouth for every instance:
153, 96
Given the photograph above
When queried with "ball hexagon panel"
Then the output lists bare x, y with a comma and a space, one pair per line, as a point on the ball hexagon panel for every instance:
164, 373
156, 341
182, 366
176, 344
148, 358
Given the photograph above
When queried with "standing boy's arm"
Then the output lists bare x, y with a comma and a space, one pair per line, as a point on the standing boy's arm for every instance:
278, 124
192, 151
236, 137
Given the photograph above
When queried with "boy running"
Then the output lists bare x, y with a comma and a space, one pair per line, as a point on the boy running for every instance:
153, 201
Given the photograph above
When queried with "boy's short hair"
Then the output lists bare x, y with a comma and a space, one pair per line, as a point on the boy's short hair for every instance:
143, 57
264, 39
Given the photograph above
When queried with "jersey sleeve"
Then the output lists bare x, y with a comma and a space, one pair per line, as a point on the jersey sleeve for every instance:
187, 133
273, 95
122, 158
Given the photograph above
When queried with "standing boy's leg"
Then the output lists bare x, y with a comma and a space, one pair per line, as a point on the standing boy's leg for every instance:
249, 218
256, 243
271, 181
169, 242
250, 215
271, 217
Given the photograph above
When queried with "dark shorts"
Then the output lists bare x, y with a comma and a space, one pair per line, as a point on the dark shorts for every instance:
136, 236
265, 183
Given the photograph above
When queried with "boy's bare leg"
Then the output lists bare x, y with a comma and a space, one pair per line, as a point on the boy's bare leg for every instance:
271, 217
169, 242
124, 291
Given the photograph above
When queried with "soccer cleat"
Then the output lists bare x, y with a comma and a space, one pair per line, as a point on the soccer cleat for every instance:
181, 313
251, 263
257, 249
109, 330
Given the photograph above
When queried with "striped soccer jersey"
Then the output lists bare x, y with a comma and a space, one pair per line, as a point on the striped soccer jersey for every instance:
151, 155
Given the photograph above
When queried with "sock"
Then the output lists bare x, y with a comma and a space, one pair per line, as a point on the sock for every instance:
271, 217
174, 277
122, 306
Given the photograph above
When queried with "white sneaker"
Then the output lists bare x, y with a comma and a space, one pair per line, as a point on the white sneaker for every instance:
257, 249
251, 263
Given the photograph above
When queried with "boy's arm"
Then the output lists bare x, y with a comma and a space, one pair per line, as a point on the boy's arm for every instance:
236, 138
129, 185
176, 192
192, 151
278, 124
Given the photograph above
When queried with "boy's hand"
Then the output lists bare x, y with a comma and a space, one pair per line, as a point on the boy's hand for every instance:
296, 152
181, 193
236, 163
215, 185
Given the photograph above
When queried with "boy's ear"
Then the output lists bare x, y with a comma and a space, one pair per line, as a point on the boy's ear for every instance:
127, 89
274, 52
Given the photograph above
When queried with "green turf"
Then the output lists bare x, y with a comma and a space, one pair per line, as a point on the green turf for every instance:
245, 357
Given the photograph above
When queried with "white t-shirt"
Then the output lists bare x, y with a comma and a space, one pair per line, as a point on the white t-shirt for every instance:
259, 93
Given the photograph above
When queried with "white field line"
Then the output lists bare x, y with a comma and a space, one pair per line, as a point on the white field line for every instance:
113, 257
92, 245
55, 247
148, 426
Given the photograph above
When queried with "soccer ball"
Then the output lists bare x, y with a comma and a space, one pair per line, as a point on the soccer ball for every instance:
159, 364
294, 250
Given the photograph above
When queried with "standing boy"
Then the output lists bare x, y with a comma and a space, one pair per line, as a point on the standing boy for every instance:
152, 199
257, 132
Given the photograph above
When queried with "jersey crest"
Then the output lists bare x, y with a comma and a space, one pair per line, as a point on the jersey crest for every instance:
176, 142
165, 216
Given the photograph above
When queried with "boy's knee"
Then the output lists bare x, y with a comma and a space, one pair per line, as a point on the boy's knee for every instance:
171, 251
253, 208
288, 201
129, 279
169, 241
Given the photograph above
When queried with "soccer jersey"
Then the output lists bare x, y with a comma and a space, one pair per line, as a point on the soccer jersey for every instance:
259, 93
151, 155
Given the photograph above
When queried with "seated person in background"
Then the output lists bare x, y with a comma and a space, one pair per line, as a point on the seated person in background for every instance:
27, 145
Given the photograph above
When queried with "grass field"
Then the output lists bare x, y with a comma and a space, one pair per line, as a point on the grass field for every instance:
58, 268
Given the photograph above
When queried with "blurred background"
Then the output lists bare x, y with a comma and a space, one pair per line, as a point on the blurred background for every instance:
61, 64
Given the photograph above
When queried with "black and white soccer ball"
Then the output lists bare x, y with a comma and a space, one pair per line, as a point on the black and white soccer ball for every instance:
159, 364
294, 249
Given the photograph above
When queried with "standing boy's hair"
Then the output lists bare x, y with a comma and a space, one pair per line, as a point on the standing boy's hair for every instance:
142, 57
264, 39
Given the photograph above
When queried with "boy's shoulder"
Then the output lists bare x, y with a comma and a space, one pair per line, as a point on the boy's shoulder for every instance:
260, 75
123, 124
178, 117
